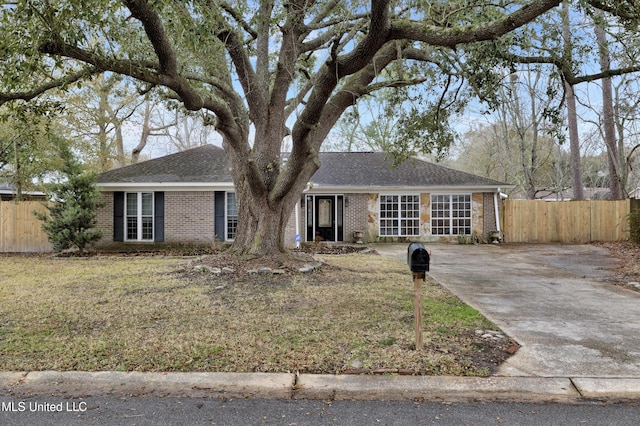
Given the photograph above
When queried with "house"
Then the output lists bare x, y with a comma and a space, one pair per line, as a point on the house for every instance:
8, 192
189, 198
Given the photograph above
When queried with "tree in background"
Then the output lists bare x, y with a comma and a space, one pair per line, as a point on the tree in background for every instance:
71, 218
27, 150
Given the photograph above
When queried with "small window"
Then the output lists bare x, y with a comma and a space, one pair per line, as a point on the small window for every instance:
232, 216
139, 216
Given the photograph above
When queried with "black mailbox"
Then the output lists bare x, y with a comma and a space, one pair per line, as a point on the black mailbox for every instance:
417, 257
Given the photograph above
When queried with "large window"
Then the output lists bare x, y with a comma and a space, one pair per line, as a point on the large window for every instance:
451, 214
232, 215
139, 216
399, 215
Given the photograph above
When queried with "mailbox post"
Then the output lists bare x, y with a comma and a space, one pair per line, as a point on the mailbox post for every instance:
418, 260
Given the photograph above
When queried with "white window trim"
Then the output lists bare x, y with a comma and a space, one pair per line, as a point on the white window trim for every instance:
312, 198
139, 216
450, 217
400, 218
226, 215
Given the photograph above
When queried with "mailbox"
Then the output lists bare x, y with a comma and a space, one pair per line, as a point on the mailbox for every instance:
417, 257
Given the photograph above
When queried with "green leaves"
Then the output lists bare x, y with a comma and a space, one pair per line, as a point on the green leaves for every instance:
72, 218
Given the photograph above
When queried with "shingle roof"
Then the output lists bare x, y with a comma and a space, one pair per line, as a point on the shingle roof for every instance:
359, 169
207, 163
376, 169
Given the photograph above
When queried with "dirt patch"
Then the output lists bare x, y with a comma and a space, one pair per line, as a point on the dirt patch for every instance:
628, 269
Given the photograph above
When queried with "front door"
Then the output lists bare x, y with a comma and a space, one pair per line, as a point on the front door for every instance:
325, 217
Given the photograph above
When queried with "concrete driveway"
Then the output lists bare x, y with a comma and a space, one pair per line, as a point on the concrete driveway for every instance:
554, 300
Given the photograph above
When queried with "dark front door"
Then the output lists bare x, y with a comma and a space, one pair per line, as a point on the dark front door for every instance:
325, 218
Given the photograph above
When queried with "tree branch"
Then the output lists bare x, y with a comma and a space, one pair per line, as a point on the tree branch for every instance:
451, 37
37, 91
237, 16
152, 24
255, 99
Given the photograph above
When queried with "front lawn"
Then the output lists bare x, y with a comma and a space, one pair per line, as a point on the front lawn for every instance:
157, 313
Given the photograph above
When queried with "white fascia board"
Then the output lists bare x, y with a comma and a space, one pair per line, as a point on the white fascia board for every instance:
165, 186
320, 189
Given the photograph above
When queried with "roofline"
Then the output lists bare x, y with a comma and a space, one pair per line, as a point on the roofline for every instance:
439, 188
315, 188
165, 186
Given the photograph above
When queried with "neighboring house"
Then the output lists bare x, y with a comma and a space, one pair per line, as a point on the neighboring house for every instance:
189, 198
8, 192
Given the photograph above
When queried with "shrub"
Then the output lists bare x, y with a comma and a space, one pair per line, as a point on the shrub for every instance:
634, 226
71, 217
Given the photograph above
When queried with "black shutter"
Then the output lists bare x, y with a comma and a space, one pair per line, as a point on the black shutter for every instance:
158, 221
118, 216
219, 203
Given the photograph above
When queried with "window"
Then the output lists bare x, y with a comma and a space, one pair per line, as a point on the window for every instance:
232, 216
139, 216
399, 215
451, 214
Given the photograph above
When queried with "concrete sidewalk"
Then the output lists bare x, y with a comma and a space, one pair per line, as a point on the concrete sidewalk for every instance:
324, 387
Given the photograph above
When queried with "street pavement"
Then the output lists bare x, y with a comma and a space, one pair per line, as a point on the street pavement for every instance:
579, 337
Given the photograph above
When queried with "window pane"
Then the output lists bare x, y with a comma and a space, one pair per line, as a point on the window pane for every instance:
132, 228
147, 228
147, 204
132, 204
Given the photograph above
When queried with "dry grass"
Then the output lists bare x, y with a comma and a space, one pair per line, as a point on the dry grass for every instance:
156, 314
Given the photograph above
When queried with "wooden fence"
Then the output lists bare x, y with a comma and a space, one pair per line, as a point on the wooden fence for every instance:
535, 221
20, 230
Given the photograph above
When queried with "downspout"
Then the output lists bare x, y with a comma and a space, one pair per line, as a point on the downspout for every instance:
497, 210
297, 213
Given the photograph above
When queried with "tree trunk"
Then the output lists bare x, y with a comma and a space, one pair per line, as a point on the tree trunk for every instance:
609, 128
572, 116
266, 197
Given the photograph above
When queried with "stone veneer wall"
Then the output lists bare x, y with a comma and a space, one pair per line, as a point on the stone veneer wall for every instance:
477, 214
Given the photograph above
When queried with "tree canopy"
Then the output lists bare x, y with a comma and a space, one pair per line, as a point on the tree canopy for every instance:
265, 69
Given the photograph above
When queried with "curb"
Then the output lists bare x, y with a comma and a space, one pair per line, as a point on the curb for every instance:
436, 388
320, 387
79, 383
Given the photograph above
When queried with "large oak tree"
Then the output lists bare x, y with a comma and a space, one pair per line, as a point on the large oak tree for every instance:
262, 69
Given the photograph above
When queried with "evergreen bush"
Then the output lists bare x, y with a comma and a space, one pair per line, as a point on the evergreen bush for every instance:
71, 218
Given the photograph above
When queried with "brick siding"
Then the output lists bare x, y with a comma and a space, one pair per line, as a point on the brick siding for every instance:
188, 218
